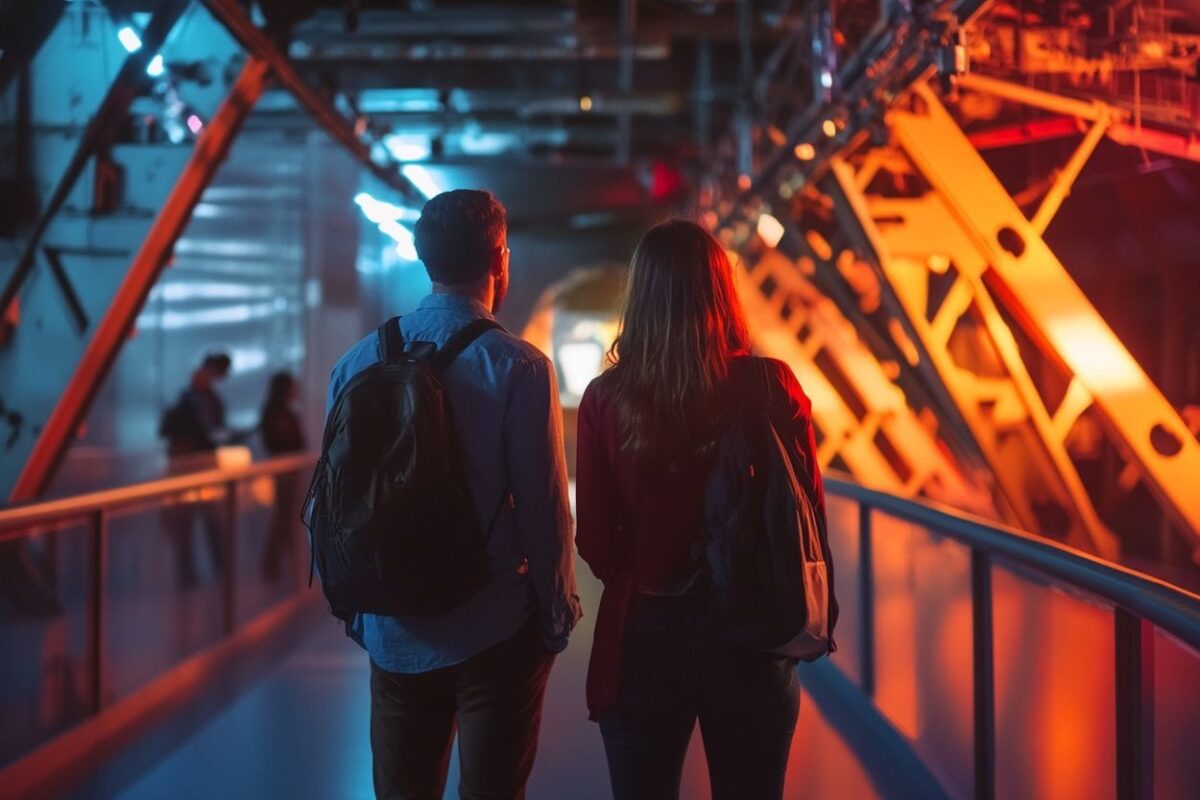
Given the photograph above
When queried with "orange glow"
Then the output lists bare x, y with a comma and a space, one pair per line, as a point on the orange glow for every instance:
819, 245
805, 151
743, 182
1096, 354
1055, 715
770, 230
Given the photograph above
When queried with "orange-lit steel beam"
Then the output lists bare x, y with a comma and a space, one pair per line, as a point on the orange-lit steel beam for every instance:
234, 18
1028, 279
1000, 407
112, 330
1121, 130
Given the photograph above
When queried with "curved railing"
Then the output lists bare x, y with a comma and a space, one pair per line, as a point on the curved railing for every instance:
1031, 613
99, 572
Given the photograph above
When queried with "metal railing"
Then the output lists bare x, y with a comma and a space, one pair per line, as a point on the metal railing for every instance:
1139, 605
95, 509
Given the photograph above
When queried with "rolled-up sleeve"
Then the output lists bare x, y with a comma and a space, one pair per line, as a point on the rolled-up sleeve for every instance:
537, 471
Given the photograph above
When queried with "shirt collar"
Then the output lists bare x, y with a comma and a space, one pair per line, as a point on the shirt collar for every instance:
454, 303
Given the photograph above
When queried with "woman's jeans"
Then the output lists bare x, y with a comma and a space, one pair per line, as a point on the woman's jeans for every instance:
676, 670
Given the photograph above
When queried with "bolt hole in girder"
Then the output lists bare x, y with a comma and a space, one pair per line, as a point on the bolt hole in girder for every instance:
1163, 441
1011, 241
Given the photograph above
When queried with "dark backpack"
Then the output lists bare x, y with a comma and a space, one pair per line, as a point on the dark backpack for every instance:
766, 546
391, 519
177, 421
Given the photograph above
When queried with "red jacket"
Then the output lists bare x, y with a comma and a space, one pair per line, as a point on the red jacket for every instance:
636, 523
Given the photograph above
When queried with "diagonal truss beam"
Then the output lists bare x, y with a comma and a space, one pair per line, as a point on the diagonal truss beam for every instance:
1036, 289
982, 371
231, 14
102, 349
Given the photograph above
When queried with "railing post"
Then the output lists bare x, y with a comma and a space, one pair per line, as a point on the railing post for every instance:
229, 579
866, 597
1134, 651
983, 658
97, 578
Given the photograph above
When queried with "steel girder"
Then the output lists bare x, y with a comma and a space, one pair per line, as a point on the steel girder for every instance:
1031, 283
865, 419
998, 275
125, 299
52, 406
231, 14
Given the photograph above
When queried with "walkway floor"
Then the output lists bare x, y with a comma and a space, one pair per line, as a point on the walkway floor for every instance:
301, 732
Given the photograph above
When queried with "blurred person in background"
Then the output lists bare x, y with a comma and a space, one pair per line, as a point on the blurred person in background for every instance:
194, 428
282, 434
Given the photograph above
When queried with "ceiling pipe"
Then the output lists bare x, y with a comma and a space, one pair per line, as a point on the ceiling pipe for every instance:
628, 41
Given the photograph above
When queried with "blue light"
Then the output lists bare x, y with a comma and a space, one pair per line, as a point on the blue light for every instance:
387, 217
419, 177
129, 39
156, 66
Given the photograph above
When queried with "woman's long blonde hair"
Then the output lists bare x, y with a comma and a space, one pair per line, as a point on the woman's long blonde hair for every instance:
681, 324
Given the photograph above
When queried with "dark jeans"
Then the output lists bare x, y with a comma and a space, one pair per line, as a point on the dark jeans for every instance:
676, 670
496, 700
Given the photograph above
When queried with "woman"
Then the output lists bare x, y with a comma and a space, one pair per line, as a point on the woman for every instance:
647, 431
282, 434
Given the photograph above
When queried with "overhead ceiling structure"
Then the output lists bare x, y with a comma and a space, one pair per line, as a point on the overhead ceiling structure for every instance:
137, 102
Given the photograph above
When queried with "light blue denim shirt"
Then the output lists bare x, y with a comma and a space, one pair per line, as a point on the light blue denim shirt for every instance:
504, 398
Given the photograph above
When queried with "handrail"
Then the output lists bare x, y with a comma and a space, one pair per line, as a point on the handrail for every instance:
40, 512
1140, 605
1169, 607
95, 511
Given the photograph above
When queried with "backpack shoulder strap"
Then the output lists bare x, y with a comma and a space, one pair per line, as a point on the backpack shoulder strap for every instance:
459, 341
391, 340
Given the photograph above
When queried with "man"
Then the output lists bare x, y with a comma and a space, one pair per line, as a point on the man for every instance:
194, 427
483, 666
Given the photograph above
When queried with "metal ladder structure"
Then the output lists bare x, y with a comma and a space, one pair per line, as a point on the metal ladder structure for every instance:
865, 419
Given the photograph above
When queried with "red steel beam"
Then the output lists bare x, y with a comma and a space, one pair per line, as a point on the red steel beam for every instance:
113, 329
230, 14
1025, 133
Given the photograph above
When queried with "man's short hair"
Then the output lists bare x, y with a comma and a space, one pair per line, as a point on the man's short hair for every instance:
218, 362
458, 234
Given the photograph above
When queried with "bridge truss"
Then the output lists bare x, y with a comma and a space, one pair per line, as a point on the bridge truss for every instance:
872, 202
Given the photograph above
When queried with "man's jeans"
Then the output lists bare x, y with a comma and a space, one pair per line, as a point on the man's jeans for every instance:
496, 700
675, 670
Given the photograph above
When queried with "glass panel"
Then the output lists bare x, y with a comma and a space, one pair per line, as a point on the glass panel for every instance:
923, 653
1176, 719
272, 552
1055, 691
842, 516
164, 587
44, 671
